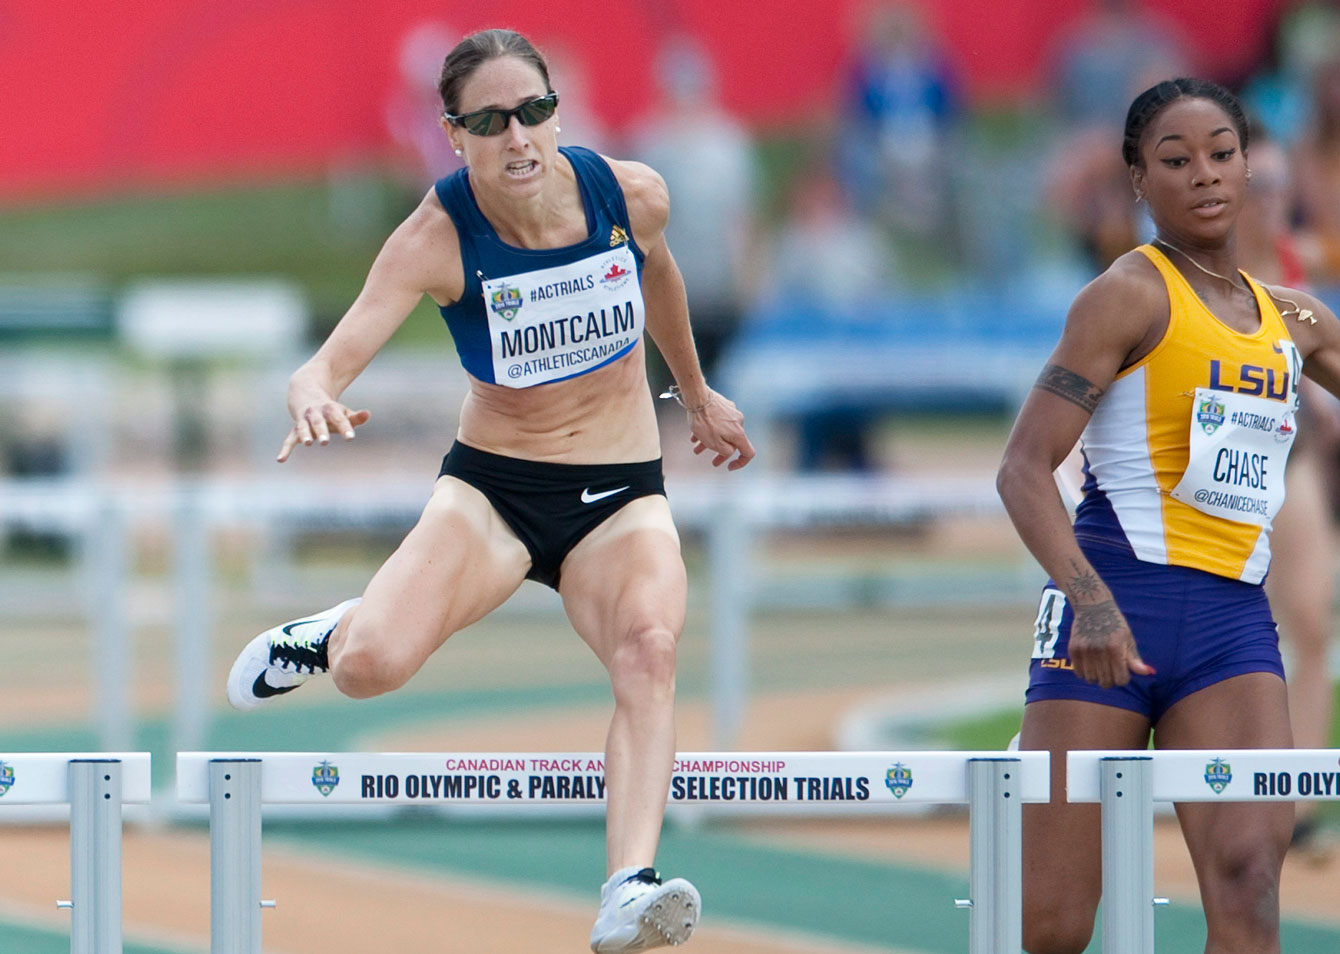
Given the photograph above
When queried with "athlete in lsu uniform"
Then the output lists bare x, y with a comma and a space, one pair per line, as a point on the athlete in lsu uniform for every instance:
547, 264
1302, 560
1182, 375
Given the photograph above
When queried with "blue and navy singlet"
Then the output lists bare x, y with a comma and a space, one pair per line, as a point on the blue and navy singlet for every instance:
531, 316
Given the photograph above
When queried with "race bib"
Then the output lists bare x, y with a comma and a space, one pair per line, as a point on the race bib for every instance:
1239, 446
563, 321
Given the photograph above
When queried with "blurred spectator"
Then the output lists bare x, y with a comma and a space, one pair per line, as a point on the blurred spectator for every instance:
900, 105
834, 264
1317, 159
707, 159
1266, 246
1107, 57
424, 154
568, 76
1098, 65
825, 255
1303, 555
1307, 33
1089, 194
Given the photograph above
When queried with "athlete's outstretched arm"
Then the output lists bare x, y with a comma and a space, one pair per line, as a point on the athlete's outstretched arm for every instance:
409, 264
716, 423
1104, 326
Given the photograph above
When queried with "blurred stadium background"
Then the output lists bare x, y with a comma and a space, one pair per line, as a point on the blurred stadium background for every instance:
191, 194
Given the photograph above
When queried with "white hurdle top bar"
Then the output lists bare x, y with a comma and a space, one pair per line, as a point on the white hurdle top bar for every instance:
545, 778
1218, 775
44, 779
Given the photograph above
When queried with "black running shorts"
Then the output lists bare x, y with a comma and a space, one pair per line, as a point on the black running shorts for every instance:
551, 507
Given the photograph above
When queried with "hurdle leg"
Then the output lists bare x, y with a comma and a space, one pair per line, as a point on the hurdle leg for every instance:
191, 572
996, 840
235, 856
1126, 792
95, 856
729, 544
107, 543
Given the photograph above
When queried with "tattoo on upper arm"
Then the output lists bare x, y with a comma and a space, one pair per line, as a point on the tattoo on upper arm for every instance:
1069, 385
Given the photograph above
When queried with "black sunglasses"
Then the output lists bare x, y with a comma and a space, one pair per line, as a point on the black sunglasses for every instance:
490, 122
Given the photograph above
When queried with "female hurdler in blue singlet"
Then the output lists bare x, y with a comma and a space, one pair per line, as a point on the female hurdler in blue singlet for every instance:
1178, 374
547, 264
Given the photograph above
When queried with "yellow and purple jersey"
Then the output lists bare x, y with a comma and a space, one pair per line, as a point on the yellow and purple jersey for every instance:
1185, 453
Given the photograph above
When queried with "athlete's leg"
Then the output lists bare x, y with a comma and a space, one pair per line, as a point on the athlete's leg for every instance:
1063, 875
624, 589
1237, 847
458, 563
1301, 593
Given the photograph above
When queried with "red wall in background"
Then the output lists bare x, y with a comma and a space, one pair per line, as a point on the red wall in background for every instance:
104, 95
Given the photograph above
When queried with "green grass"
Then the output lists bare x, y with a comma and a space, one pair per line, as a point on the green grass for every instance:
989, 732
321, 234
993, 730
746, 880
749, 879
23, 939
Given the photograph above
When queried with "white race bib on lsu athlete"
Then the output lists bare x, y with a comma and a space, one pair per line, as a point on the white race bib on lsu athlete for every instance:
1239, 446
558, 322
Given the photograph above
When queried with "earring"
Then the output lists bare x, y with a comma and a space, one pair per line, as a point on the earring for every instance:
1249, 175
459, 152
557, 130
1139, 197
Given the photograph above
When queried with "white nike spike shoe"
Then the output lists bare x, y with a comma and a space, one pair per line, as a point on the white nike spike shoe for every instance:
638, 912
280, 660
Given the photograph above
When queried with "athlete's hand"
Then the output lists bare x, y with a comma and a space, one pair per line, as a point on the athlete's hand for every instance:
315, 419
718, 426
1101, 647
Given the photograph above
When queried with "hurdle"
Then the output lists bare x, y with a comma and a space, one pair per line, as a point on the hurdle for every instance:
1127, 783
95, 786
236, 786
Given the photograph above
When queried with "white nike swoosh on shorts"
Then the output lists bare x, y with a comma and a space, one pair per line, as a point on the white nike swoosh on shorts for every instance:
588, 497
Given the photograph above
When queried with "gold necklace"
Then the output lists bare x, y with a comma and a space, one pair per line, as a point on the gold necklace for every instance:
1304, 314
1186, 255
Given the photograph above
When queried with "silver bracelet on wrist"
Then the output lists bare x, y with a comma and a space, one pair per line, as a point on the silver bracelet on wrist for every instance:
675, 394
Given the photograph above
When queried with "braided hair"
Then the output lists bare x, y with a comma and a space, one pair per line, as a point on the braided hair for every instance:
1154, 100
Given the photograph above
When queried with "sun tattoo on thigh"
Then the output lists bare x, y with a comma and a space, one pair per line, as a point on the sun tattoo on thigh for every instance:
1069, 385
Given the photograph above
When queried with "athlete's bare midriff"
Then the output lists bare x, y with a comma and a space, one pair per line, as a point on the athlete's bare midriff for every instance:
605, 416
